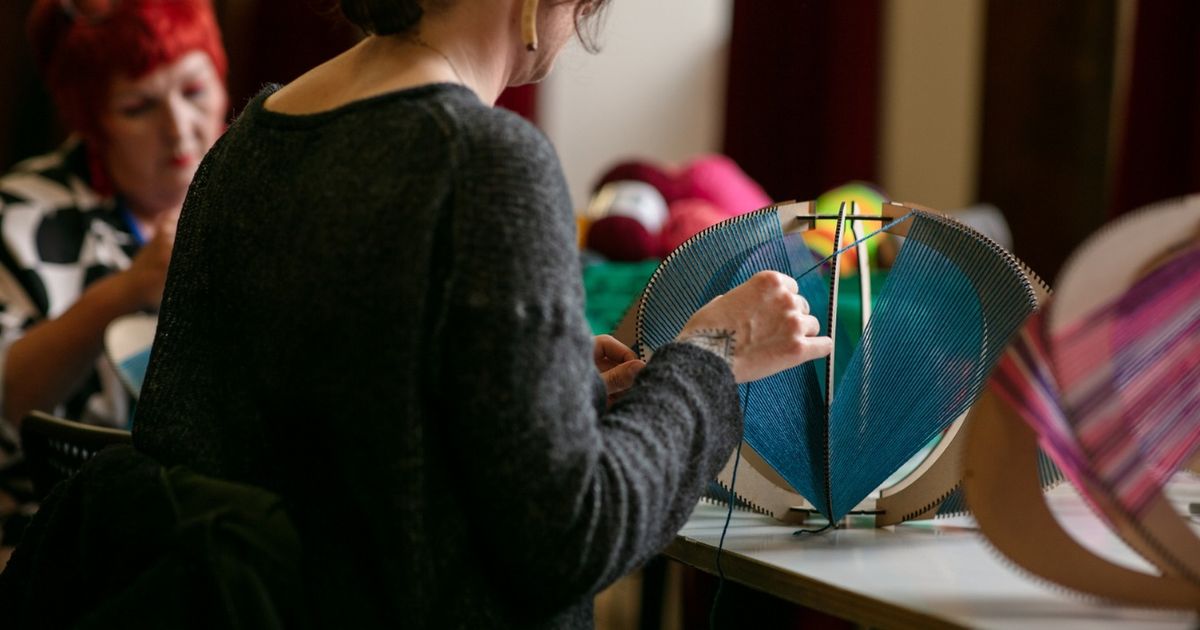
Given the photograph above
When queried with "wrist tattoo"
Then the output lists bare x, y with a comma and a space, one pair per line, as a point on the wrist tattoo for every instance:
720, 342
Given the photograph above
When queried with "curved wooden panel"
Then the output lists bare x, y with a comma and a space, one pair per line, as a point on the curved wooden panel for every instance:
1002, 486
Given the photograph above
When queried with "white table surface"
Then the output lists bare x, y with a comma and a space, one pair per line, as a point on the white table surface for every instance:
938, 573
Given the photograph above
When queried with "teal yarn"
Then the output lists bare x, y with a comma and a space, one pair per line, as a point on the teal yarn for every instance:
941, 320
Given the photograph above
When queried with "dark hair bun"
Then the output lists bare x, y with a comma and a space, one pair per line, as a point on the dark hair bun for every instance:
382, 17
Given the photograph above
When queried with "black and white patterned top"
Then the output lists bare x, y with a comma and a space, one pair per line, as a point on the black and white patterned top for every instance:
58, 236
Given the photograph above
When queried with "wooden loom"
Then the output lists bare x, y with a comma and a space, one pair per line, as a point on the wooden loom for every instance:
998, 478
759, 487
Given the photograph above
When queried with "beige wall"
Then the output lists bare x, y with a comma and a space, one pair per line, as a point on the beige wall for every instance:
931, 98
655, 91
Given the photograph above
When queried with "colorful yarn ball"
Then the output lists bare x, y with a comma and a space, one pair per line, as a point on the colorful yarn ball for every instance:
720, 181
869, 200
688, 217
621, 239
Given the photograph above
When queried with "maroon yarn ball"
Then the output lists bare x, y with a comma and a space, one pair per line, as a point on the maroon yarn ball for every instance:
623, 239
640, 171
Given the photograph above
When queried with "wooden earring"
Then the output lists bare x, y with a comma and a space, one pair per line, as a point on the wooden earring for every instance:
529, 25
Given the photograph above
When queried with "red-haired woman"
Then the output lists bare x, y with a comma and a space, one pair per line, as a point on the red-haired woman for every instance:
86, 232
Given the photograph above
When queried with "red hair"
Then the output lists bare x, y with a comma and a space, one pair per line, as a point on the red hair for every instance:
80, 51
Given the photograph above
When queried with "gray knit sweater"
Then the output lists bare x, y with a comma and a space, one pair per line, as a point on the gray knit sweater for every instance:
377, 313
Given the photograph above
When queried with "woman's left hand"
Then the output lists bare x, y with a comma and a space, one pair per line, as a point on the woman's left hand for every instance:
618, 365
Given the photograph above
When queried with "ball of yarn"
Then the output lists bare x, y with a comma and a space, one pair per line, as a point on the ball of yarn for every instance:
687, 218
720, 181
868, 200
582, 223
636, 200
642, 171
622, 239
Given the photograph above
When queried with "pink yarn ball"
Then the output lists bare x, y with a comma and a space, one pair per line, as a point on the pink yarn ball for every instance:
719, 180
622, 239
687, 218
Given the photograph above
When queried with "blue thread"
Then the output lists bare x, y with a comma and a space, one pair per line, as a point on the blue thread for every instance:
942, 317
737, 459
800, 532
131, 223
847, 248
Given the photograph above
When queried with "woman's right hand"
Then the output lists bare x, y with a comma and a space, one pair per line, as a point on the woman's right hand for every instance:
147, 274
761, 327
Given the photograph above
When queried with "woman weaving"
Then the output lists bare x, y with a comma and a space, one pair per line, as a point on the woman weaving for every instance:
375, 310
86, 231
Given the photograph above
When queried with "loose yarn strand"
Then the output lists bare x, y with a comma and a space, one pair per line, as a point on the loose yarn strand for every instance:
737, 459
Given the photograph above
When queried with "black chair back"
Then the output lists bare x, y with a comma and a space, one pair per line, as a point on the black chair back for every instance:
55, 448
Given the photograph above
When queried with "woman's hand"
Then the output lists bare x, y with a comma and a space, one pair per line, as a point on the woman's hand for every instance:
760, 327
147, 275
618, 365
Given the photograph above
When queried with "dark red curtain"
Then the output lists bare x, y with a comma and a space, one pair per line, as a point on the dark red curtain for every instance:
1044, 139
522, 100
1159, 138
28, 125
803, 93
275, 41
